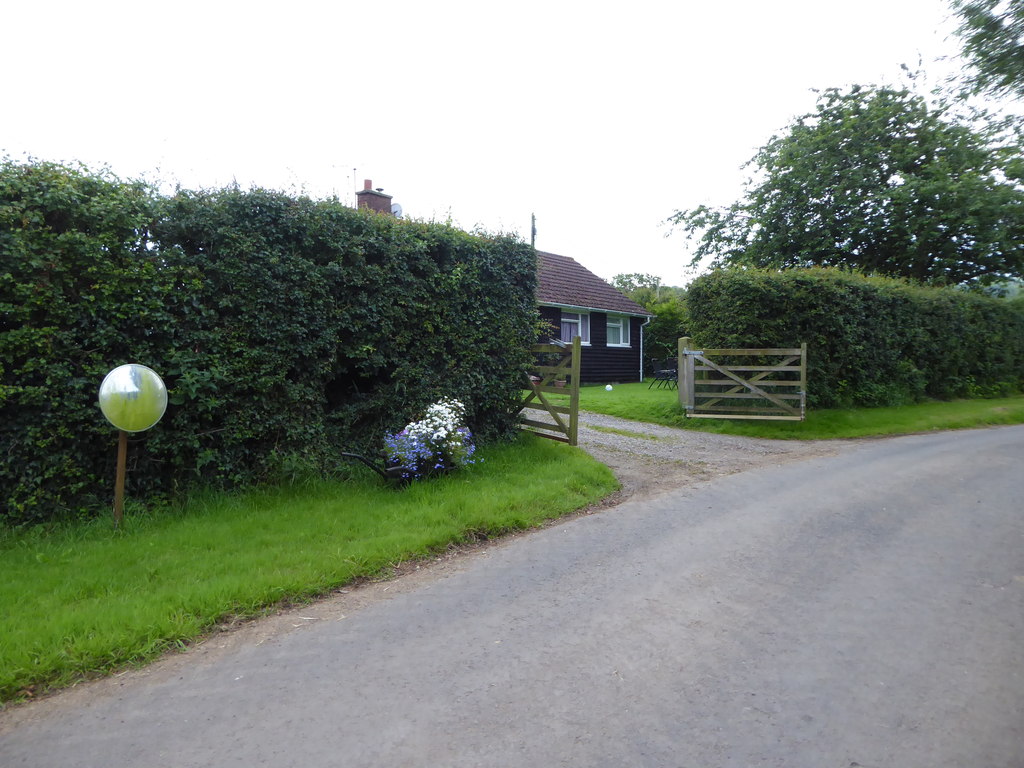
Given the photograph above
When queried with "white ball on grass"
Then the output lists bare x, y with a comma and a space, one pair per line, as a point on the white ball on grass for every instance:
608, 387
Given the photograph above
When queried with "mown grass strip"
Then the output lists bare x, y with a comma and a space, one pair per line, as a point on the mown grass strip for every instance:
661, 406
623, 432
87, 599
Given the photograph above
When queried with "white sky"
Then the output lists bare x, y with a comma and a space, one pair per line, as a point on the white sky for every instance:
602, 118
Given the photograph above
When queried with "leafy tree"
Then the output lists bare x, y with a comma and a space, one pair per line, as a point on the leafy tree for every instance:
878, 180
641, 288
666, 302
645, 289
661, 337
1007, 289
992, 32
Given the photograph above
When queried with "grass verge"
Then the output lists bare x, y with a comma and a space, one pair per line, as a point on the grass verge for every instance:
623, 432
661, 406
85, 600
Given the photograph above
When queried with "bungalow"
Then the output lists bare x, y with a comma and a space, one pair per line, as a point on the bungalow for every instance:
576, 302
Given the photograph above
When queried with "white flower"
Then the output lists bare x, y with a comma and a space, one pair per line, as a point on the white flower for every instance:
439, 439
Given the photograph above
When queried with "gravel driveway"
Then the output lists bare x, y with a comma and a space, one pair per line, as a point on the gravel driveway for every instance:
652, 459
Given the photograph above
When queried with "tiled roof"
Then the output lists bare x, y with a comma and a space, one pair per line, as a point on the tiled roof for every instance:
561, 280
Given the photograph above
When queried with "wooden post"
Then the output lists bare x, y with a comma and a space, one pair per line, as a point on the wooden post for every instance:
122, 460
574, 393
803, 381
684, 373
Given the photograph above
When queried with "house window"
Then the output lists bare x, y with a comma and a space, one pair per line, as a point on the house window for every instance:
575, 324
618, 331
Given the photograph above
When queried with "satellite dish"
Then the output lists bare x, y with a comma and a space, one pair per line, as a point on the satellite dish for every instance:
396, 210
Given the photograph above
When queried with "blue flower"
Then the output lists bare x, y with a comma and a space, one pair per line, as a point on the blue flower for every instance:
438, 441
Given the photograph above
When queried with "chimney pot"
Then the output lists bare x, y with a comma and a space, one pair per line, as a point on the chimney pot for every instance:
367, 184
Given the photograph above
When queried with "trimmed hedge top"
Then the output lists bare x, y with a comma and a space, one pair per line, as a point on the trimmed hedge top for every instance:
871, 341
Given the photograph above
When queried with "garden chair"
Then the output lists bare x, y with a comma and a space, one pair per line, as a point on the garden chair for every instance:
666, 374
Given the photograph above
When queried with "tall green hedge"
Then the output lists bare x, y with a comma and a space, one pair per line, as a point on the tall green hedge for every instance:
287, 330
871, 341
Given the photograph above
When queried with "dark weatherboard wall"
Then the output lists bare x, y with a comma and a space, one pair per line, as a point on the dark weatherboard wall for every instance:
601, 363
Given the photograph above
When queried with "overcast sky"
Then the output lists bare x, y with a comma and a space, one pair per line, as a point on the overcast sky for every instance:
600, 118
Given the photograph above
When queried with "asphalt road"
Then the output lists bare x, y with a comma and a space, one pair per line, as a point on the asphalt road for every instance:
865, 609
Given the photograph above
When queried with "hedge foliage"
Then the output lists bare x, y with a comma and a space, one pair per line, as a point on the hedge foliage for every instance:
286, 329
871, 341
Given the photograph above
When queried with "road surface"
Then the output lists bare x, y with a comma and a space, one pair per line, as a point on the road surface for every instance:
864, 609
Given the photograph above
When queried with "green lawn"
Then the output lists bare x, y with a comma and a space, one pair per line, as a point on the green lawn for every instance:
661, 406
85, 599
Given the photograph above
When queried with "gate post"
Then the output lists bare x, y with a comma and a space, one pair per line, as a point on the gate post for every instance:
684, 373
574, 392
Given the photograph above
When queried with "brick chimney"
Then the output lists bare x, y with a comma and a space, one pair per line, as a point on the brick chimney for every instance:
374, 199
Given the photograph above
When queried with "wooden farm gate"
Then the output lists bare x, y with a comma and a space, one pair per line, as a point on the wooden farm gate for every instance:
553, 388
743, 383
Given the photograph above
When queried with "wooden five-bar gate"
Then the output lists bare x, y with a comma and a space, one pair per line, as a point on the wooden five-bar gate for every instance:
743, 383
553, 388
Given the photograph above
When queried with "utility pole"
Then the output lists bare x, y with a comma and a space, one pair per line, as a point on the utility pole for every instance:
533, 230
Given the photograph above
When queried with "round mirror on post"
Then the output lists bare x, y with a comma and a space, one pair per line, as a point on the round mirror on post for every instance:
133, 398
